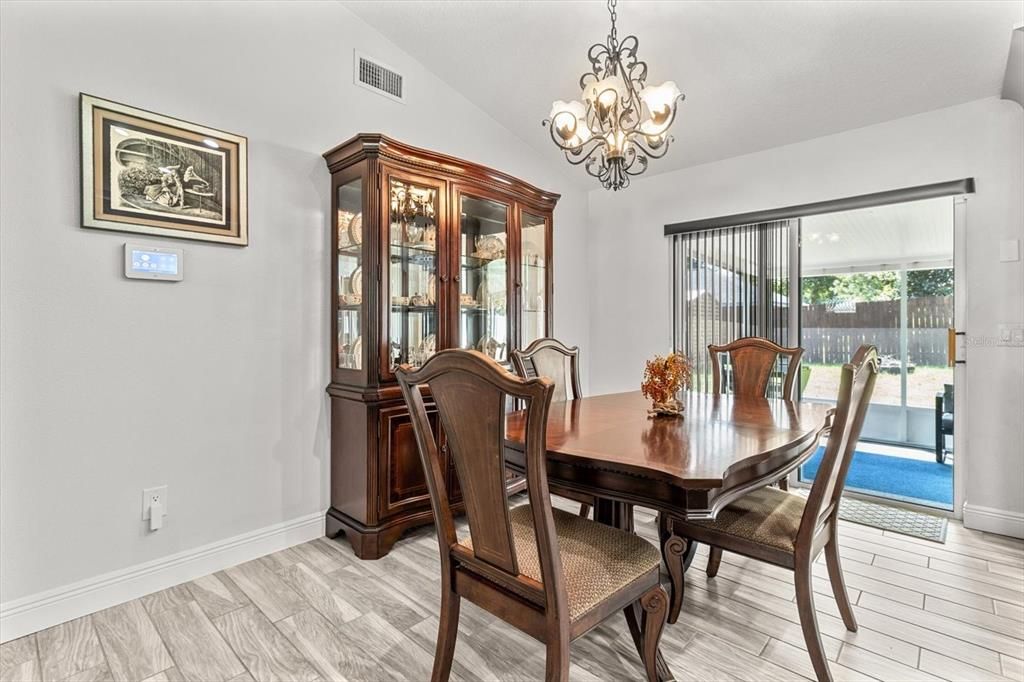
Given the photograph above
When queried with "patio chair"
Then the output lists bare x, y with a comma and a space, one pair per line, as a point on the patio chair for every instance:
943, 421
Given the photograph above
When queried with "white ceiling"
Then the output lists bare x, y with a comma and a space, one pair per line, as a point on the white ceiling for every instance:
756, 74
917, 233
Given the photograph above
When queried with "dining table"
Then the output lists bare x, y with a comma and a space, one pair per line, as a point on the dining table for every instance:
689, 466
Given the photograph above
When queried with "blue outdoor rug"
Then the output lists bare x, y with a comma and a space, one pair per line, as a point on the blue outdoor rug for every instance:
910, 480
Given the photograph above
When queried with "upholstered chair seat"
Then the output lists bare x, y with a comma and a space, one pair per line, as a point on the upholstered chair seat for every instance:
597, 560
767, 516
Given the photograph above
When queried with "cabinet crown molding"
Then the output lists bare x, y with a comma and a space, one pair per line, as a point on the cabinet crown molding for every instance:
379, 146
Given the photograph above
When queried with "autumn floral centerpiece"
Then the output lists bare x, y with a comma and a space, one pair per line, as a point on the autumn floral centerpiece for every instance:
663, 378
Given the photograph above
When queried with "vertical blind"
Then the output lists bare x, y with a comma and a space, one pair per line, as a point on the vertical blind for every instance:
732, 282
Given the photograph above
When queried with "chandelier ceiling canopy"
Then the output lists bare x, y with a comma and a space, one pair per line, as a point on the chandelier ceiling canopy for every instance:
621, 121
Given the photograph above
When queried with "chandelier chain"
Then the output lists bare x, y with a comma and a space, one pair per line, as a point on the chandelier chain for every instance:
614, 35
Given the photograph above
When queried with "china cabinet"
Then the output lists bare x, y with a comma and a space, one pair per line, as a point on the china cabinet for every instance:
429, 252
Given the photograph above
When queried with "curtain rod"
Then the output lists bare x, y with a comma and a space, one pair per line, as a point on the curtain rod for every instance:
895, 196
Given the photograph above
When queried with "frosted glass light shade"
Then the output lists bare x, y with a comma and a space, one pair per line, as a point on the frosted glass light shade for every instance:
660, 101
615, 144
605, 92
569, 121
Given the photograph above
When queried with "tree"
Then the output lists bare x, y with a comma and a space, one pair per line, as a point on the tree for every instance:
937, 282
818, 289
869, 286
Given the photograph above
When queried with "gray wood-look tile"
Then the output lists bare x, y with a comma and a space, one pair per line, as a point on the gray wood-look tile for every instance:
317, 639
311, 585
926, 611
133, 647
98, 674
167, 599
217, 594
265, 652
279, 560
795, 660
19, 661
1012, 667
69, 648
709, 658
199, 652
267, 589
368, 593
169, 675
394, 656
244, 677
1008, 610
319, 557
951, 669
881, 667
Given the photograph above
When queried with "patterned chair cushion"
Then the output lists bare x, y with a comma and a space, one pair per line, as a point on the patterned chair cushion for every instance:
597, 560
768, 516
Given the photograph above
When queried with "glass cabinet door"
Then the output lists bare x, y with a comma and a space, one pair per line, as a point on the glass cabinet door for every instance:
412, 273
483, 276
533, 277
349, 226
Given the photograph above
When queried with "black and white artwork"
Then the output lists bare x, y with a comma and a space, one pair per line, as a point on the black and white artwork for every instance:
144, 172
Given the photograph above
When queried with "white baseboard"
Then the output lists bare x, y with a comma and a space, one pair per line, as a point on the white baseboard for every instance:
994, 520
38, 611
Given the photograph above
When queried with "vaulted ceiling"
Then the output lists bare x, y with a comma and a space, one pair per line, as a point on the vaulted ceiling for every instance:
756, 74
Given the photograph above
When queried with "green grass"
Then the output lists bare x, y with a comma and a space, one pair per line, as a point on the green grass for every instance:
922, 384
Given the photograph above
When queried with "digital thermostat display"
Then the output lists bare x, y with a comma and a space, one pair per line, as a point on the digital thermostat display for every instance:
148, 262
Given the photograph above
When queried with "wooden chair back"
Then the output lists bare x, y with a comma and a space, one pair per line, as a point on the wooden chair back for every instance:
856, 384
753, 359
551, 358
470, 391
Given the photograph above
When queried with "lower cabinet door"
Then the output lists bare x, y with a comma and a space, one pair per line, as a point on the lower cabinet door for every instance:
403, 482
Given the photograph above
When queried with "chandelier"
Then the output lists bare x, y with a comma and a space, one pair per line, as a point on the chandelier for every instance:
621, 122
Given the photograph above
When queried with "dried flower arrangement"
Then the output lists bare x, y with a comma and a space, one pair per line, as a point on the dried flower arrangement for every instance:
663, 377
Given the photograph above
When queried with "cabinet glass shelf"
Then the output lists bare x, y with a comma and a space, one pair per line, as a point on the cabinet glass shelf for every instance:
412, 273
533, 275
348, 222
483, 243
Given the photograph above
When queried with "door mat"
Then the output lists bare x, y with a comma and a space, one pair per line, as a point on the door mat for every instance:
902, 521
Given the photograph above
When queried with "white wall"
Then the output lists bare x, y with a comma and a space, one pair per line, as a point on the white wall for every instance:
629, 294
213, 386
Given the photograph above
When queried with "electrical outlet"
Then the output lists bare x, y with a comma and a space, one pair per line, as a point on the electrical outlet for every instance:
151, 496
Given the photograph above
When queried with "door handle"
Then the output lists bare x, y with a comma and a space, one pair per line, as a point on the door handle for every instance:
951, 341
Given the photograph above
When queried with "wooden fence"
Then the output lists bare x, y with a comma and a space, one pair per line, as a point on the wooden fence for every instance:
831, 337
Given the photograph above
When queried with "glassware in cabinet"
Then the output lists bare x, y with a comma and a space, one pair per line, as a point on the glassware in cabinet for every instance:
483, 277
413, 287
533, 277
349, 226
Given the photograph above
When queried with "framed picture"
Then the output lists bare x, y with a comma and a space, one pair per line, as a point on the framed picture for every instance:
152, 174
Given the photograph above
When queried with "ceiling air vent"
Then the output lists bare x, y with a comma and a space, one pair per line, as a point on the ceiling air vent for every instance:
379, 78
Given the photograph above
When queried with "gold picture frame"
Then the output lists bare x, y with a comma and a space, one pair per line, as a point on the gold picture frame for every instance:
148, 173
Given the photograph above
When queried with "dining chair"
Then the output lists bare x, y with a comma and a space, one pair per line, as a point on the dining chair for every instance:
548, 357
547, 572
752, 362
789, 530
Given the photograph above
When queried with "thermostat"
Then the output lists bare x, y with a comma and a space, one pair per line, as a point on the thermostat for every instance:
151, 262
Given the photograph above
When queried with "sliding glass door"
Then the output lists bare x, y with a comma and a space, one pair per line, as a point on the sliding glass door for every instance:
867, 272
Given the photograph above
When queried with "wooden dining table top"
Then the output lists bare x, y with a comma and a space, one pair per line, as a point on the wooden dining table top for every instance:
688, 465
